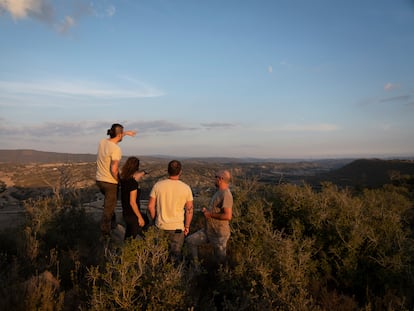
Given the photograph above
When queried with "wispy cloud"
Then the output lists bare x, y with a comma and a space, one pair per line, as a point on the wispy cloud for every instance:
159, 126
110, 11
78, 89
84, 128
62, 17
66, 24
50, 128
391, 86
219, 125
270, 69
19, 9
102, 10
319, 127
401, 98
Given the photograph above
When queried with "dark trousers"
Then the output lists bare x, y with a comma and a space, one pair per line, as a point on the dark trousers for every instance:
110, 191
176, 241
132, 228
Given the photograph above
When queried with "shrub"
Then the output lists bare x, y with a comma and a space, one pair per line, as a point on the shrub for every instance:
139, 277
291, 248
361, 247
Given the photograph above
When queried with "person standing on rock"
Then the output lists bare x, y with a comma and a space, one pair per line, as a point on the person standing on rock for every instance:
107, 173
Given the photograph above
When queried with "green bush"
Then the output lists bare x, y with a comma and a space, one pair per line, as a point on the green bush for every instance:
362, 249
138, 276
292, 248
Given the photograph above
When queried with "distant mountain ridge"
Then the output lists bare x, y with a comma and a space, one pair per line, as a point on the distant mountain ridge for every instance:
369, 172
24, 156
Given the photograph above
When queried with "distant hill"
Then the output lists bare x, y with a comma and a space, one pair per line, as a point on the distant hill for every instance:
369, 173
24, 156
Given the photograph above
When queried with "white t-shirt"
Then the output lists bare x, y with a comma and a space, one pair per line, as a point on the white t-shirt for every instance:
170, 197
107, 152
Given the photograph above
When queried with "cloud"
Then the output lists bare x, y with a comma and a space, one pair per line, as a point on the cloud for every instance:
101, 10
90, 128
110, 11
405, 99
159, 126
214, 125
390, 86
270, 69
66, 25
48, 12
320, 127
20, 9
402, 98
77, 89
49, 128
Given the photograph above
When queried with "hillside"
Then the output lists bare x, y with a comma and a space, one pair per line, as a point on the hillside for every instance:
343, 172
24, 156
369, 173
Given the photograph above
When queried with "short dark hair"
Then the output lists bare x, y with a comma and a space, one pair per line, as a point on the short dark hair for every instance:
174, 168
115, 129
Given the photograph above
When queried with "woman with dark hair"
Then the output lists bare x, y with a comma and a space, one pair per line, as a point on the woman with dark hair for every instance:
130, 197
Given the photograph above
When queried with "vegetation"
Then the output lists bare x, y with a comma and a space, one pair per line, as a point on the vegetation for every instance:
293, 247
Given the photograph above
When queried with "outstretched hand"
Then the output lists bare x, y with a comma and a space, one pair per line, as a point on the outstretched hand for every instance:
130, 133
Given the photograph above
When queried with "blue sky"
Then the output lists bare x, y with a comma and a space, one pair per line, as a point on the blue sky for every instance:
280, 79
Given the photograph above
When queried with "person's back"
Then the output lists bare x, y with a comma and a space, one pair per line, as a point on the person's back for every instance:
167, 201
130, 198
108, 151
107, 165
171, 197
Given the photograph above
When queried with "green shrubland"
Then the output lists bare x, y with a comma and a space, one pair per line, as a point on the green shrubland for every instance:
292, 248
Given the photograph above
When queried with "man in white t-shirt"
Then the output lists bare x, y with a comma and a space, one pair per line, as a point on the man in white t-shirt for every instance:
171, 205
107, 172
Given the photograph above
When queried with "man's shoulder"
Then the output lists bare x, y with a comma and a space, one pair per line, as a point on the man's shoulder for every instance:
161, 181
171, 183
107, 142
183, 183
226, 193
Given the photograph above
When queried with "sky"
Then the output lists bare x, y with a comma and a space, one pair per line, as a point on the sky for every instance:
212, 78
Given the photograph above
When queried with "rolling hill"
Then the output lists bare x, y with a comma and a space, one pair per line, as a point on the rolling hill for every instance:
371, 173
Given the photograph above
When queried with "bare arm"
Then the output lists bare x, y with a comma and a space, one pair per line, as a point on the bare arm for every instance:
151, 207
115, 169
189, 207
129, 133
226, 215
133, 203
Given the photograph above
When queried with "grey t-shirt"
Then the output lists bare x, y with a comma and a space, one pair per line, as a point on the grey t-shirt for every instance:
221, 199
